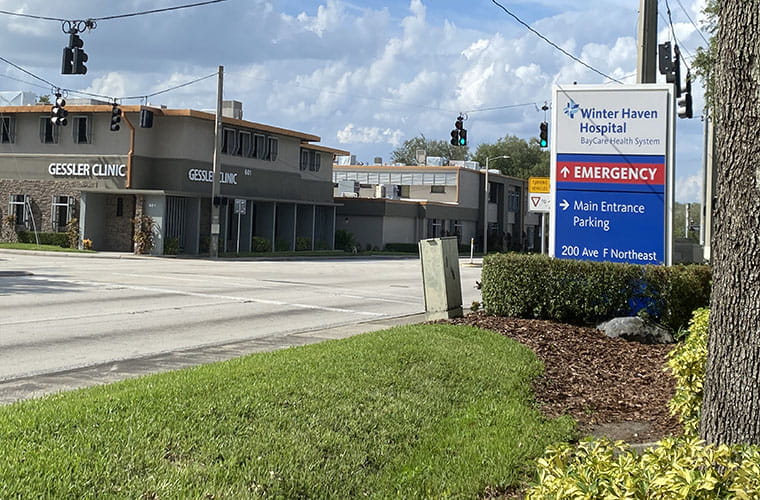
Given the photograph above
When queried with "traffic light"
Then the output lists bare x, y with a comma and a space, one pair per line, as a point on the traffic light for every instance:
74, 57
684, 101
57, 113
146, 118
115, 118
459, 134
67, 63
543, 134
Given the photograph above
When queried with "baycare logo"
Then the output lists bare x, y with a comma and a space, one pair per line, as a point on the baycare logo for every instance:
571, 109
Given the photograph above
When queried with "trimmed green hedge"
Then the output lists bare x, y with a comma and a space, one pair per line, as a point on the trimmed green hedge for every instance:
56, 239
583, 292
402, 247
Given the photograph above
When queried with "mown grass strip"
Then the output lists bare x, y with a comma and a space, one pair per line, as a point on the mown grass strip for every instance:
415, 412
46, 248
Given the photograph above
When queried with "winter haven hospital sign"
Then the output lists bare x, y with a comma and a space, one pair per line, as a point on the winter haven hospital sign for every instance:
611, 173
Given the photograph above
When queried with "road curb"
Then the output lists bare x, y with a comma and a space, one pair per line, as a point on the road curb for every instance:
42, 384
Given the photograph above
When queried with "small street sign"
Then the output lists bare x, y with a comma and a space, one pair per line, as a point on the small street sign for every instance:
240, 206
539, 185
540, 202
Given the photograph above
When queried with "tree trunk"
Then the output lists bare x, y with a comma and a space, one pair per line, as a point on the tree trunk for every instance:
731, 406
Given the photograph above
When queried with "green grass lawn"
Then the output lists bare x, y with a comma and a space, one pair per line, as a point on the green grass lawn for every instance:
47, 248
422, 411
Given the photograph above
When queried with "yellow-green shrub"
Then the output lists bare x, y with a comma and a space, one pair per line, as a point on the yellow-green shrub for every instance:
675, 468
687, 363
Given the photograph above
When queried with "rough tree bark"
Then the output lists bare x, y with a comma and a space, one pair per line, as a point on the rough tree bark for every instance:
731, 406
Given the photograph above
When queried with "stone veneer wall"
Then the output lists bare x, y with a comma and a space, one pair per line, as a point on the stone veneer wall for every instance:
119, 228
41, 194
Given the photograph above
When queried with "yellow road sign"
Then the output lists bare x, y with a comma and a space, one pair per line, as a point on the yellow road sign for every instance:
538, 185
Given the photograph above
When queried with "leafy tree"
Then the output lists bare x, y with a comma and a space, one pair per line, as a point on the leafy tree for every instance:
43, 99
526, 159
705, 58
407, 153
731, 404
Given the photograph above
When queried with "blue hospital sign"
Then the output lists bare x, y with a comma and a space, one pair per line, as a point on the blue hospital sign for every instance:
610, 173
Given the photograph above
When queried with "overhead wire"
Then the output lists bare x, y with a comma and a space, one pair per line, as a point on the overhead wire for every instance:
117, 16
699, 31
26, 71
55, 87
675, 39
510, 106
32, 84
211, 75
568, 54
186, 84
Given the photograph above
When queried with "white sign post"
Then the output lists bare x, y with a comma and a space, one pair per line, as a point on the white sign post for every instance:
239, 210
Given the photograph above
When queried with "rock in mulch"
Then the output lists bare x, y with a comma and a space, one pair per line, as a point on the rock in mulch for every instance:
635, 329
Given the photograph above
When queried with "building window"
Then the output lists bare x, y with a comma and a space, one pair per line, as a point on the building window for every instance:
314, 161
456, 226
260, 146
81, 130
245, 144
229, 141
273, 148
304, 165
48, 131
513, 200
438, 189
435, 228
61, 210
119, 207
404, 191
18, 208
493, 192
7, 132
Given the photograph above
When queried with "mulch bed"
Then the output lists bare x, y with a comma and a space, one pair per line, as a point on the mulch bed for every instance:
611, 387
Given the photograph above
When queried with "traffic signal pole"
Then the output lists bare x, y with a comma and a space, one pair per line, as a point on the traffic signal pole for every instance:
647, 43
214, 241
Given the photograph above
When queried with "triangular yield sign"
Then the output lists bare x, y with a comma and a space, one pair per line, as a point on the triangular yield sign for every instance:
535, 200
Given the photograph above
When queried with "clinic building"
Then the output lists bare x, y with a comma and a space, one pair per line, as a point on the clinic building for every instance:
275, 184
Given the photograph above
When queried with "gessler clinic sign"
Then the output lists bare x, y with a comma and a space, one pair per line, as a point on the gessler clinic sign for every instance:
611, 173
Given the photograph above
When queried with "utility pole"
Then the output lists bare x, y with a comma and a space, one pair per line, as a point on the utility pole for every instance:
215, 198
647, 43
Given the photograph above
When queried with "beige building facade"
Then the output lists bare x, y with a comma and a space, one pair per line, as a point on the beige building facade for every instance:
51, 174
384, 204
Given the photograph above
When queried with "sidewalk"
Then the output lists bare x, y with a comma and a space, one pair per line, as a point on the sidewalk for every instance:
49, 383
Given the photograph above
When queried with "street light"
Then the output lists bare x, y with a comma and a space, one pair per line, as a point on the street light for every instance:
485, 205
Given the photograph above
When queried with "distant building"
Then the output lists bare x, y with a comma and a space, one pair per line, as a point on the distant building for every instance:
382, 204
51, 174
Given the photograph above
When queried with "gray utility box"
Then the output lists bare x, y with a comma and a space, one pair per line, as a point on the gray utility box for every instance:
440, 278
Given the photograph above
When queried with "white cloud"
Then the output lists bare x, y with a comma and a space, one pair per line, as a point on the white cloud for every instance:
328, 17
112, 84
369, 135
366, 74
689, 189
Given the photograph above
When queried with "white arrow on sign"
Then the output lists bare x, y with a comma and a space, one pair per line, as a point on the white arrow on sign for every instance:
564, 205
565, 171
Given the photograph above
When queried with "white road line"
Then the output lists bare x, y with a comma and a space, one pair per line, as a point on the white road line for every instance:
249, 284
231, 298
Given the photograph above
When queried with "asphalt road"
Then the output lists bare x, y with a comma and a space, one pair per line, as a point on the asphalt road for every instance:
63, 315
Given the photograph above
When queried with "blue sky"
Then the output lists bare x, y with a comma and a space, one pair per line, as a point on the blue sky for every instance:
364, 75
